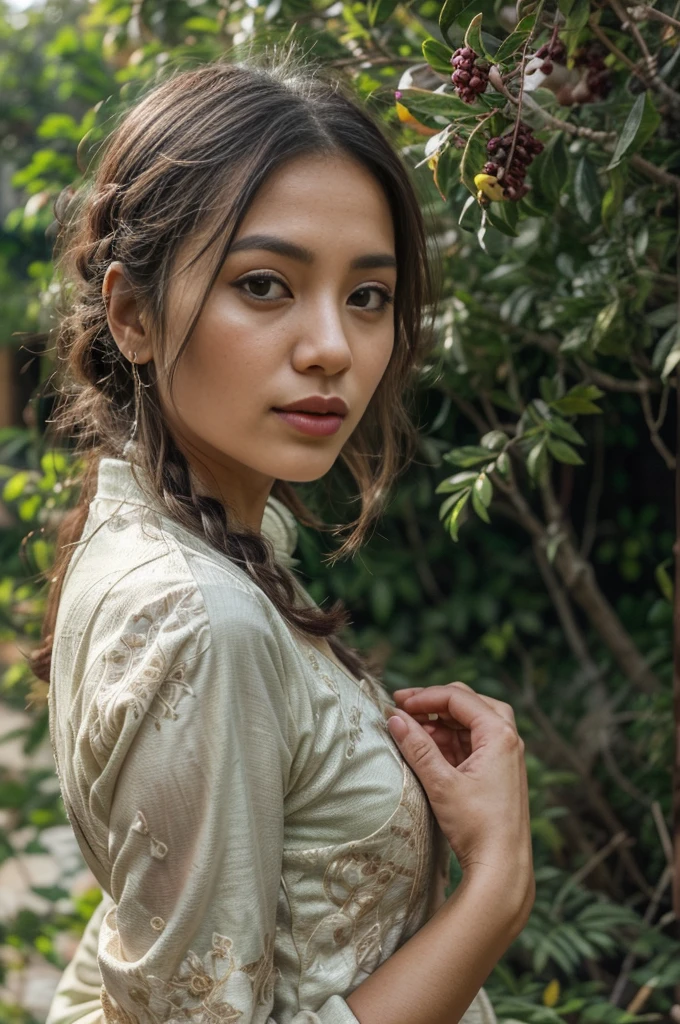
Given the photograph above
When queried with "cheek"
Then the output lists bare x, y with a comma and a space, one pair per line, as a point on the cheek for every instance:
374, 359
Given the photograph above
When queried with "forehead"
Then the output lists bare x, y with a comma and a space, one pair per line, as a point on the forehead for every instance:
326, 202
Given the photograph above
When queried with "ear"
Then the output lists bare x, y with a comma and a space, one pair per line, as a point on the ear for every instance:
123, 315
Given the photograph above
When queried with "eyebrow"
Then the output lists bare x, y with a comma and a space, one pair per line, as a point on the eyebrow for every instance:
304, 255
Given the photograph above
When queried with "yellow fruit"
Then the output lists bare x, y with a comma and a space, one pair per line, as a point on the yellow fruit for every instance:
408, 118
490, 186
551, 993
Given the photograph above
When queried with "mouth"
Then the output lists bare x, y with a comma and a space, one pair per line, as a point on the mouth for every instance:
315, 423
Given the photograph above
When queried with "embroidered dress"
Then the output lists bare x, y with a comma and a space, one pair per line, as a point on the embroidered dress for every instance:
261, 844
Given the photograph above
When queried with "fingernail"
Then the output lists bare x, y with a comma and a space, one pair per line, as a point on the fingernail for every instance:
397, 727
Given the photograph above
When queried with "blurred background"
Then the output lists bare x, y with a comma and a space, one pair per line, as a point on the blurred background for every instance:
529, 548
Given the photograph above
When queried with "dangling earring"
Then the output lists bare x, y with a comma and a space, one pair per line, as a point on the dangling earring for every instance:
138, 402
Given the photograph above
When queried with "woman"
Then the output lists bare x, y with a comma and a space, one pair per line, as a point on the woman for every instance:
271, 830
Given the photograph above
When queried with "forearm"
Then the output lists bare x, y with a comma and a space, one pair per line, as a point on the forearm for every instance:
435, 975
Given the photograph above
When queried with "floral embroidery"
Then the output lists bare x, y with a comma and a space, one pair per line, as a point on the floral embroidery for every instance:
376, 886
157, 849
355, 729
137, 667
197, 990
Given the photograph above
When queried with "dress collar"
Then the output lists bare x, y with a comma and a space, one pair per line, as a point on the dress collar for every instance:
117, 482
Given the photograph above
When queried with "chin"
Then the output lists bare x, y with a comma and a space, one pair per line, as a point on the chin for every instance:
303, 472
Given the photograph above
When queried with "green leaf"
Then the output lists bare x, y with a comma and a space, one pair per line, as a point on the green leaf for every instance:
14, 488
554, 169
473, 35
447, 172
494, 440
587, 192
454, 519
548, 388
668, 341
612, 200
438, 56
664, 581
483, 489
590, 391
201, 24
576, 21
448, 14
468, 455
563, 452
456, 482
433, 108
474, 157
503, 464
570, 406
503, 216
672, 361
537, 460
446, 505
380, 11
513, 42
640, 125
479, 507
565, 430
610, 334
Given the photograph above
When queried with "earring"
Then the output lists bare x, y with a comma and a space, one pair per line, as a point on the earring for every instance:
138, 402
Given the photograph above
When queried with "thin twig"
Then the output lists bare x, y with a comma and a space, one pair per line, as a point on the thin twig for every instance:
627, 966
607, 139
655, 81
594, 492
653, 428
597, 858
591, 787
642, 12
613, 48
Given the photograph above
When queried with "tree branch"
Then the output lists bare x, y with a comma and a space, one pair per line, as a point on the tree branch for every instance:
655, 82
579, 578
607, 139
653, 426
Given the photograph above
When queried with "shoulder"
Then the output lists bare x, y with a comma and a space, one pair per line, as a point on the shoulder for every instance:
140, 592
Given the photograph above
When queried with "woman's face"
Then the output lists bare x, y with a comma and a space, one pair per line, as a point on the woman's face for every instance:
279, 326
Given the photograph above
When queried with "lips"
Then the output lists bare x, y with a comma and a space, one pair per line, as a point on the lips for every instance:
317, 404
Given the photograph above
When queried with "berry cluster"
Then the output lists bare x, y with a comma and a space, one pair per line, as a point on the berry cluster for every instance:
512, 176
552, 53
469, 77
598, 80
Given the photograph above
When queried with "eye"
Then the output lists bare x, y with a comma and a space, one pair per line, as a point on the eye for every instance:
382, 293
261, 283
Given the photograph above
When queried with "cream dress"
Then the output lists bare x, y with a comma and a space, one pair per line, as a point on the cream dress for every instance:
261, 844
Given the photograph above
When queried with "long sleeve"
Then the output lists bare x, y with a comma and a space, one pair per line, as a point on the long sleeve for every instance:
77, 997
187, 720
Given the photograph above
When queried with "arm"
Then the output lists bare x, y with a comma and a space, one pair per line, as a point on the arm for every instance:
195, 815
433, 978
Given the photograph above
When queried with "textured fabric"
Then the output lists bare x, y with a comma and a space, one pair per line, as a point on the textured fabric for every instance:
261, 844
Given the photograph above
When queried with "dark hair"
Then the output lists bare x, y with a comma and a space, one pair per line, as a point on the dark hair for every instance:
199, 135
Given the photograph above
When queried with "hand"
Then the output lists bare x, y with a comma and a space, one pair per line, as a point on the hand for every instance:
474, 776
452, 738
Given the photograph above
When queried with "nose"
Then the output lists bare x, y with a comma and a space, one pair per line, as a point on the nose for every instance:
323, 340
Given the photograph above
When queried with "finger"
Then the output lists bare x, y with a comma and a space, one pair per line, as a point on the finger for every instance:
481, 716
430, 699
400, 695
420, 750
